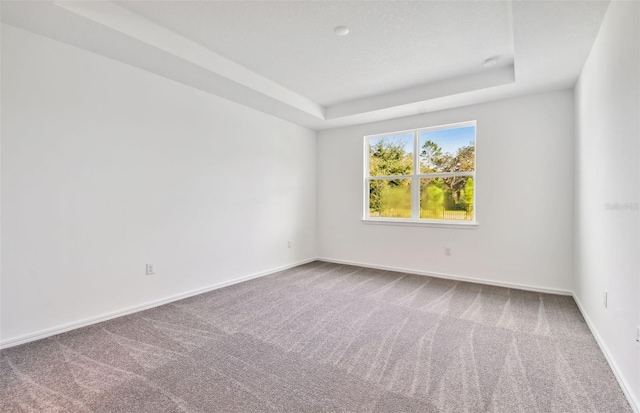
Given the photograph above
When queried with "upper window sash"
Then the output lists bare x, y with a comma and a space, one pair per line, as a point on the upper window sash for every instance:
412, 141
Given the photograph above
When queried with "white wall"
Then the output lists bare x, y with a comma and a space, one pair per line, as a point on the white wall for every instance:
524, 198
607, 153
106, 167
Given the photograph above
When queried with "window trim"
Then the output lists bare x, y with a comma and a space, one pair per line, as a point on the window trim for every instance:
415, 181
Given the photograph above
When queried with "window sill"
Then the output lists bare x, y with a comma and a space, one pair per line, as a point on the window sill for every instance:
421, 223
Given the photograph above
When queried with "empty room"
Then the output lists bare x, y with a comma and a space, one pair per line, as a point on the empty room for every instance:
320, 206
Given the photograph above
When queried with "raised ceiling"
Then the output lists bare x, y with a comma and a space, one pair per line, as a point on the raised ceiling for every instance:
390, 45
282, 57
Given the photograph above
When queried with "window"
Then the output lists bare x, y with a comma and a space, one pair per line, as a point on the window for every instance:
424, 175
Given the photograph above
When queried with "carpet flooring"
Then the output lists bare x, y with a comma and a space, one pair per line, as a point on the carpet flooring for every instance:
324, 338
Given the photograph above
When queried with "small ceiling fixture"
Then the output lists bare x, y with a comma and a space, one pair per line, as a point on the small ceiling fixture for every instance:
341, 30
490, 62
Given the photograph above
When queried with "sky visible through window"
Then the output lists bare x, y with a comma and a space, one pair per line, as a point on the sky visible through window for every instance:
450, 140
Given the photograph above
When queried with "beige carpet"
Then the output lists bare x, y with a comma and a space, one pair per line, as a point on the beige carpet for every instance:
324, 338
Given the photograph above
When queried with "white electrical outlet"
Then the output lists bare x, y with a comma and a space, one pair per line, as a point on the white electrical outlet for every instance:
605, 299
447, 251
638, 335
288, 244
151, 268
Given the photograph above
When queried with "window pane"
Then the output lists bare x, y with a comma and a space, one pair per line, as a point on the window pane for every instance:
448, 150
390, 198
448, 199
391, 155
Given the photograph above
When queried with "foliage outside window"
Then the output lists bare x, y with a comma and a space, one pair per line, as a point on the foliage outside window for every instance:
422, 175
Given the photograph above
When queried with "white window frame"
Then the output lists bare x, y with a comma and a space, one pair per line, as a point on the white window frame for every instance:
415, 219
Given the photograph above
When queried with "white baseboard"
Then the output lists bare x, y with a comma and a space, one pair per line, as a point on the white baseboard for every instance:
453, 277
108, 316
626, 389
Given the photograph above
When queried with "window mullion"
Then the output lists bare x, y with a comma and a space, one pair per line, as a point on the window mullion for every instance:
446, 174
387, 177
415, 181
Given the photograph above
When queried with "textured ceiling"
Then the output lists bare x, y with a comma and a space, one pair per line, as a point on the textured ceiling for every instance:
282, 57
391, 45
